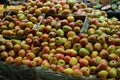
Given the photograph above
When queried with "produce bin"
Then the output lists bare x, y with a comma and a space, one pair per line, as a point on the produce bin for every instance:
84, 18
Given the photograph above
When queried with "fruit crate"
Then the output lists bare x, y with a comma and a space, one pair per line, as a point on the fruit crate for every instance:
84, 19
10, 17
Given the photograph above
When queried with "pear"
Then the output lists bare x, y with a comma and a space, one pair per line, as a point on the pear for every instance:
83, 52
102, 66
67, 28
118, 72
112, 73
103, 74
68, 71
117, 52
68, 45
60, 32
89, 47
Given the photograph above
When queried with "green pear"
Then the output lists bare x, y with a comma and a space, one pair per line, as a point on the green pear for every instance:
112, 73
93, 69
68, 45
89, 47
60, 32
68, 71
67, 28
73, 61
118, 72
83, 52
117, 52
103, 74
58, 41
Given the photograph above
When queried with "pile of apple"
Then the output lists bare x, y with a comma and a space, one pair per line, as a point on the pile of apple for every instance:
57, 44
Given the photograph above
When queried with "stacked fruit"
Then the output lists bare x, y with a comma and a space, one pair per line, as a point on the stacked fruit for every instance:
57, 44
20, 23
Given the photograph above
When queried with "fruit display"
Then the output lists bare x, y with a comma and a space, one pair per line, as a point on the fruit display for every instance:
57, 43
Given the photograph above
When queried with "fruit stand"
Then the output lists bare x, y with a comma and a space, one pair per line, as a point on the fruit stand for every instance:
59, 40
